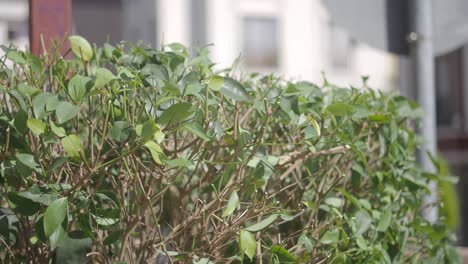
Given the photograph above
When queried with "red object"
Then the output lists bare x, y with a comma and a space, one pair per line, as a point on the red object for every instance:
52, 20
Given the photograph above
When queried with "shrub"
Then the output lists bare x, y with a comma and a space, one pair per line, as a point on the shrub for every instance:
135, 155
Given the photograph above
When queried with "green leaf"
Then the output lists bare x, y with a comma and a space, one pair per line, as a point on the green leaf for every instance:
314, 124
103, 77
43, 103
27, 90
340, 109
78, 87
216, 82
36, 126
18, 99
56, 237
113, 237
59, 131
283, 254
16, 56
66, 111
262, 224
28, 160
307, 242
330, 237
54, 215
73, 249
155, 73
120, 131
334, 201
180, 162
232, 204
72, 145
197, 130
149, 130
247, 243
81, 47
362, 157
234, 90
20, 121
385, 219
175, 113
155, 151
350, 197
363, 222
22, 205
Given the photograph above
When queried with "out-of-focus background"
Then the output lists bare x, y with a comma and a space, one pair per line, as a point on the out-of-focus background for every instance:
292, 38
297, 39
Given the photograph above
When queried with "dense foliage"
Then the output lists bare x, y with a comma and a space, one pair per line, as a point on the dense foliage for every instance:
128, 154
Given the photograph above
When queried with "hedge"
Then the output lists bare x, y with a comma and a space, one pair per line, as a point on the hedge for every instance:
129, 154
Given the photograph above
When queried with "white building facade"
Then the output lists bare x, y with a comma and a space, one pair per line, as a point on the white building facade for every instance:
293, 38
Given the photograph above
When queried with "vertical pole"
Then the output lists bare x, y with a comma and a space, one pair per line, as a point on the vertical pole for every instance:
422, 55
50, 19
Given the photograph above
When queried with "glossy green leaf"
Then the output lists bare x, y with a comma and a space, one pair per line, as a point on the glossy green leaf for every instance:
103, 77
340, 109
330, 237
54, 215
20, 122
232, 204
57, 237
27, 90
28, 160
44, 103
197, 130
22, 205
120, 131
73, 146
216, 82
385, 220
247, 243
305, 241
149, 130
78, 87
36, 126
176, 113
314, 124
284, 256
81, 47
180, 162
350, 197
16, 56
155, 73
66, 111
59, 131
363, 222
262, 224
155, 151
234, 90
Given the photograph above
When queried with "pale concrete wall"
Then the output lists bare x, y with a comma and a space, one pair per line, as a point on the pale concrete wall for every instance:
173, 18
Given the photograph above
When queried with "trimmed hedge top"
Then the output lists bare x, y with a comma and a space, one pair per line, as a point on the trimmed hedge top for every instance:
132, 154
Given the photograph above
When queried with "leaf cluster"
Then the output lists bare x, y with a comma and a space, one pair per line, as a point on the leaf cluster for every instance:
129, 154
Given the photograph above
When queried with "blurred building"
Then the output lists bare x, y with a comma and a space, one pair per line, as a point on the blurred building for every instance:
294, 38
14, 23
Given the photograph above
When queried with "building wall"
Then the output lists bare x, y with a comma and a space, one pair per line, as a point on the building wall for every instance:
14, 23
308, 42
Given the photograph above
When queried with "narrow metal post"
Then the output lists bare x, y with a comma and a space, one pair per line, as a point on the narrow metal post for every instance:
422, 54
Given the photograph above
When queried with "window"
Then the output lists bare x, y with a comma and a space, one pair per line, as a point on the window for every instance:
261, 42
341, 48
449, 92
